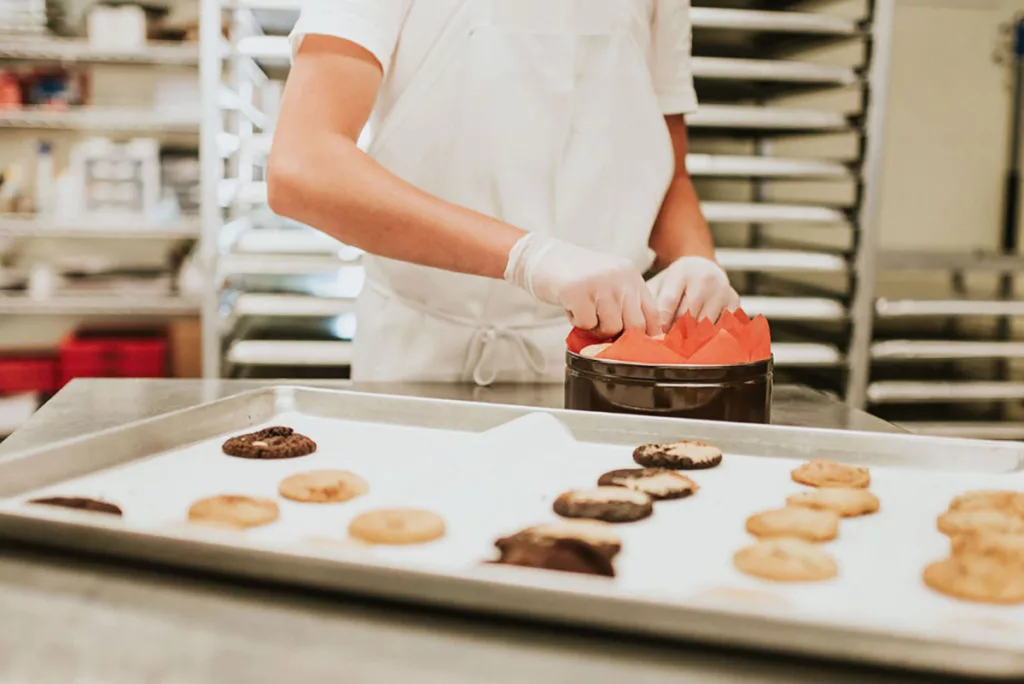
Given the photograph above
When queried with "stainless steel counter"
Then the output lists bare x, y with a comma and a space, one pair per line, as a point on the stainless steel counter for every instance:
75, 619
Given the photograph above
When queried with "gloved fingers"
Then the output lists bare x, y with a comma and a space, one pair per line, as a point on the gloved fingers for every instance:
632, 311
651, 313
609, 315
693, 301
713, 308
582, 313
669, 299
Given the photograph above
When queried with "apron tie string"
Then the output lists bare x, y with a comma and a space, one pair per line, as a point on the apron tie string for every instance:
483, 348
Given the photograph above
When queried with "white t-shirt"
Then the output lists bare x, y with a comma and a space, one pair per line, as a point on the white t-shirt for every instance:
399, 32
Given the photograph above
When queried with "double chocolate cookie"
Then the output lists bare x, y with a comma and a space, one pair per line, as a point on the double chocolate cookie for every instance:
79, 502
270, 443
657, 483
610, 504
684, 455
579, 546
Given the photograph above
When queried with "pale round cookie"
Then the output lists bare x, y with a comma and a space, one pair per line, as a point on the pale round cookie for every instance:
591, 351
323, 486
964, 578
610, 504
657, 483
795, 521
1000, 547
233, 510
990, 499
824, 473
953, 523
846, 501
786, 560
682, 455
397, 526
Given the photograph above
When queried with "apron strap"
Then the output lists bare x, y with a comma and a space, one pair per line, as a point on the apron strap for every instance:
483, 348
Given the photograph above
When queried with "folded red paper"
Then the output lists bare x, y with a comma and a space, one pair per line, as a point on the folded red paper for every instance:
735, 338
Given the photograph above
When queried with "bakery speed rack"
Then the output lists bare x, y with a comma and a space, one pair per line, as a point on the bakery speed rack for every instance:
753, 66
785, 156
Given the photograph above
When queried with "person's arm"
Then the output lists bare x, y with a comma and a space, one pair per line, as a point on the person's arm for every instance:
317, 175
690, 279
680, 229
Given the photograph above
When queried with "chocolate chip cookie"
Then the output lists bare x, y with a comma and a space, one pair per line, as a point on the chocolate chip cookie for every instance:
795, 521
824, 473
786, 560
579, 546
270, 443
233, 510
848, 502
397, 526
323, 486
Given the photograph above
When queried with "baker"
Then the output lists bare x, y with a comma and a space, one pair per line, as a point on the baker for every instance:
526, 160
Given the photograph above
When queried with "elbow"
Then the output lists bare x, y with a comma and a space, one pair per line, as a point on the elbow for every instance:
284, 183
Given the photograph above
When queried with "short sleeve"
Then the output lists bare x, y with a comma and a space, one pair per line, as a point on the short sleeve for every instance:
672, 57
371, 24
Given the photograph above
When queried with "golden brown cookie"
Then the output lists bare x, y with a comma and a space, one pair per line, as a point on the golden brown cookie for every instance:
610, 504
682, 455
973, 580
846, 501
397, 526
233, 510
795, 521
323, 486
997, 500
1000, 547
982, 520
824, 473
657, 483
786, 560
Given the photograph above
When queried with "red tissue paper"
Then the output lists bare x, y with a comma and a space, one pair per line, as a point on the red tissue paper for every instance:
735, 338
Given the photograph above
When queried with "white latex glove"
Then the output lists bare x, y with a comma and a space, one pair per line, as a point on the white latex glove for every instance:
601, 293
693, 284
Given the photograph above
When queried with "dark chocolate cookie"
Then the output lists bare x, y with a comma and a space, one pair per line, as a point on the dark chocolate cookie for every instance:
610, 504
657, 483
684, 455
567, 555
599, 535
270, 443
79, 502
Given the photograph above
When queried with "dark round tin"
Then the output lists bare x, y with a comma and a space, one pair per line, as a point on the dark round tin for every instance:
740, 393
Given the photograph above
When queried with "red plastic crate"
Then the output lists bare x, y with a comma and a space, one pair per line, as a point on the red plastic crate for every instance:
28, 373
106, 354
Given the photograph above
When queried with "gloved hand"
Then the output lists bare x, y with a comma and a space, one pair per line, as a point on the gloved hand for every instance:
693, 284
601, 293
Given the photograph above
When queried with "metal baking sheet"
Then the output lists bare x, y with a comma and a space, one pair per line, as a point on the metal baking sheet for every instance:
492, 469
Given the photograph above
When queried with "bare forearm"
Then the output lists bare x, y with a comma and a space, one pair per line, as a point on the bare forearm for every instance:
680, 229
335, 187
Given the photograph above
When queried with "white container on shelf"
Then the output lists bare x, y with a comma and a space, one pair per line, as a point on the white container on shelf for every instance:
117, 29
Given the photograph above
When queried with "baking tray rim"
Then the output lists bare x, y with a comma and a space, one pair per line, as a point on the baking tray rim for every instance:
547, 592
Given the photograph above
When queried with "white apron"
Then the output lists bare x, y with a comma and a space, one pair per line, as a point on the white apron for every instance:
540, 113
